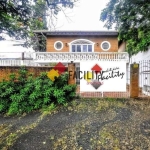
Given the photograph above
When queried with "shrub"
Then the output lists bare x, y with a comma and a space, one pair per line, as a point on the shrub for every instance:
25, 93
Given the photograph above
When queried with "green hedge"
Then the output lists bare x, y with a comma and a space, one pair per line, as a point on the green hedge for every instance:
26, 93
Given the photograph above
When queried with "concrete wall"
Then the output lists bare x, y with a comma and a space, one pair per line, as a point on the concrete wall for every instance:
141, 56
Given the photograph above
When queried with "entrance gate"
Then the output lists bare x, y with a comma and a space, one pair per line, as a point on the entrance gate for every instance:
144, 78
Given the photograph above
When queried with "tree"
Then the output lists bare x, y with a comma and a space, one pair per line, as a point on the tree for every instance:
38, 41
18, 18
132, 19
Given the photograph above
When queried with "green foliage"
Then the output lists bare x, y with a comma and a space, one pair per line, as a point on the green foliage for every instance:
25, 93
110, 99
18, 18
131, 18
48, 108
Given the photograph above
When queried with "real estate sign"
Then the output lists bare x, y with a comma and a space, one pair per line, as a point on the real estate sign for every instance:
104, 76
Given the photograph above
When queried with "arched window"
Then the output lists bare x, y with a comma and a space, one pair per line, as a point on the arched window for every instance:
81, 45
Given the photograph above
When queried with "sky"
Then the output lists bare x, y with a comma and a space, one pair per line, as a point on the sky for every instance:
84, 16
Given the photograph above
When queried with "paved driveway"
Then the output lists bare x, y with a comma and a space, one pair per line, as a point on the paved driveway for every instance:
82, 125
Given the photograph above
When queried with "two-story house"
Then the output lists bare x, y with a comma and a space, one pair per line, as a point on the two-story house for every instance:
74, 46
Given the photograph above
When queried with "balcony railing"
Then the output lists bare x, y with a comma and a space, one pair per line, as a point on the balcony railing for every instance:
43, 57
38, 58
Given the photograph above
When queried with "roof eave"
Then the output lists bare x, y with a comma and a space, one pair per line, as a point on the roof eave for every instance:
77, 33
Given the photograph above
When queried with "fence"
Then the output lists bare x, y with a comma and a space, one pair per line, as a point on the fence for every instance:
42, 57
143, 80
5, 71
32, 61
137, 83
144, 77
11, 62
17, 59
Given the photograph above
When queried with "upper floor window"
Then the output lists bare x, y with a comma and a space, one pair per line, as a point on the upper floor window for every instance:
105, 45
81, 45
58, 45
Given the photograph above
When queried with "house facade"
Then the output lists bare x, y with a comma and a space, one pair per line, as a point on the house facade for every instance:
77, 46
81, 41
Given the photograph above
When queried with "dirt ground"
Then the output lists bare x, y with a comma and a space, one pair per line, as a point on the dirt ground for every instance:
84, 124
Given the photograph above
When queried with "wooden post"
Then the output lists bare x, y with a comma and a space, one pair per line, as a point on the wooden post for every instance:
134, 80
71, 71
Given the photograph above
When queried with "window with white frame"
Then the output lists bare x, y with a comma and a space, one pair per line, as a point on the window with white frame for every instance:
58, 45
81, 45
105, 46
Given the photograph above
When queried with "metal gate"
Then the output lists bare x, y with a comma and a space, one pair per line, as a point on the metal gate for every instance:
144, 78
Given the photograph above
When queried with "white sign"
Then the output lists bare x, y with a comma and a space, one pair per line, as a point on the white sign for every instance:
104, 76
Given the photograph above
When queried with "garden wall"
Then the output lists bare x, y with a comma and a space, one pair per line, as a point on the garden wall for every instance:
5, 71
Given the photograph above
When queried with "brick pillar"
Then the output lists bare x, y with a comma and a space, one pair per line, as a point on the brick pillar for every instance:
71, 71
134, 80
